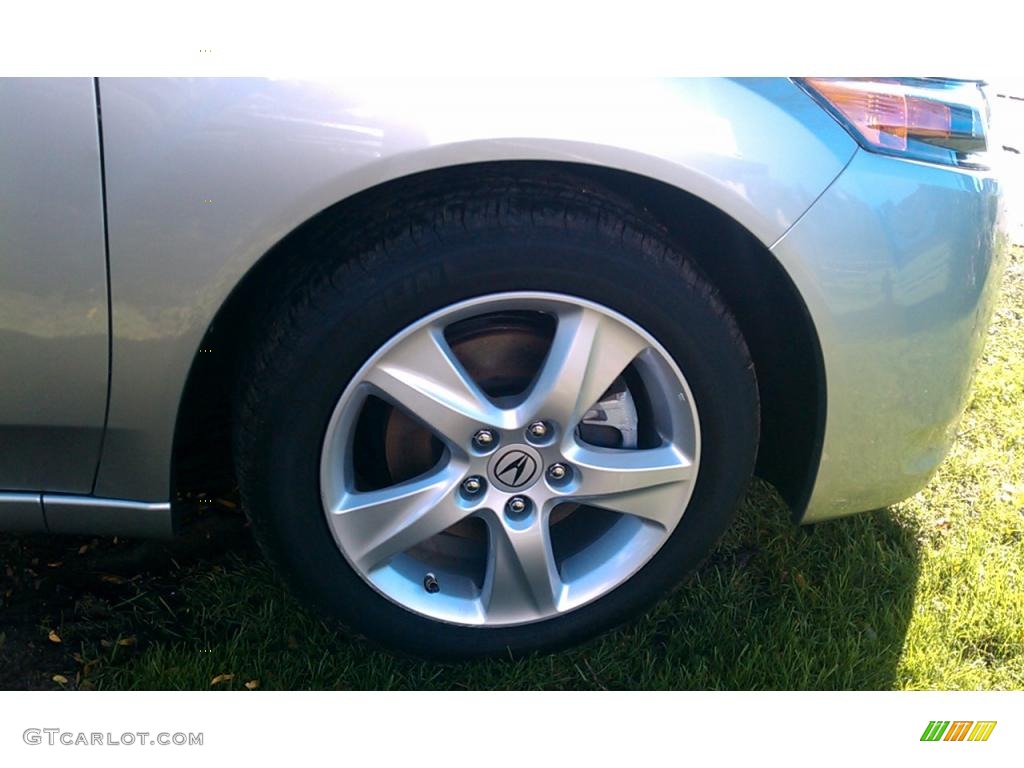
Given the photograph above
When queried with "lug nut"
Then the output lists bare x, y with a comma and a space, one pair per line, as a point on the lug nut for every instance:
484, 438
471, 486
517, 506
538, 430
558, 471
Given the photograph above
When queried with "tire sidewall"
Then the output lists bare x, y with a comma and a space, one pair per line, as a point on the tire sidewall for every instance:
370, 303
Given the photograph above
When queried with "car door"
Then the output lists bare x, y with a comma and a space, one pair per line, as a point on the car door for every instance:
53, 286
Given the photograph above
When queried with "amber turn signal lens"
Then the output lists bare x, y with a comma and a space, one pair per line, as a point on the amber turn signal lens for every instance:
932, 120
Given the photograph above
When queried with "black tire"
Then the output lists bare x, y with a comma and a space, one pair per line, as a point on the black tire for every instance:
373, 269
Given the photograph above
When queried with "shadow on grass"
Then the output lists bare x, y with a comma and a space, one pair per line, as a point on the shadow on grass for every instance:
775, 607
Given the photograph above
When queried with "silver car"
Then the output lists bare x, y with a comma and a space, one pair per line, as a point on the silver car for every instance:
491, 362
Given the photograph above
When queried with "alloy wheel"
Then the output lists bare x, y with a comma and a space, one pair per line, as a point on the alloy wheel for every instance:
509, 458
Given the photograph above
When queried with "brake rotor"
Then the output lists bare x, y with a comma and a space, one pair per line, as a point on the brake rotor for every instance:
501, 355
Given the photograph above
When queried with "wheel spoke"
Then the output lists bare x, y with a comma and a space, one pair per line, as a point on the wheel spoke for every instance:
390, 536
587, 354
644, 483
521, 580
423, 376
377, 525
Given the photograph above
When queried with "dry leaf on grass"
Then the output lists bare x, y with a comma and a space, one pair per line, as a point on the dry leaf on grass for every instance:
222, 679
54, 637
252, 685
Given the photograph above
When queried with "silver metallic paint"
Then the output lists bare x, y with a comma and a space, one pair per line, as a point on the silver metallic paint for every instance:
21, 512
53, 289
896, 261
270, 154
96, 516
67, 513
899, 264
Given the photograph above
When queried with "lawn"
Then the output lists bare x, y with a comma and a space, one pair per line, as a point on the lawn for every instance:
927, 594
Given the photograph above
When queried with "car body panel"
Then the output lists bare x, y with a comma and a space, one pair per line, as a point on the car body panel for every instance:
899, 265
896, 261
21, 512
53, 293
205, 176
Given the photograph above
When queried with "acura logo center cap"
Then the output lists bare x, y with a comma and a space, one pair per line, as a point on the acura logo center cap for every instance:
515, 468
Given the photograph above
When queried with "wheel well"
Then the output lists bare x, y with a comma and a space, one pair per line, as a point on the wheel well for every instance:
770, 311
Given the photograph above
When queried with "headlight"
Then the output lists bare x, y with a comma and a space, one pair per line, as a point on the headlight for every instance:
932, 119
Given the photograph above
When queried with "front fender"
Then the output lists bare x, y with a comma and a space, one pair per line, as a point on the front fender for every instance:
205, 176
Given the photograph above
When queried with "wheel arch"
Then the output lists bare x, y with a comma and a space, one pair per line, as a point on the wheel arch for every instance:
768, 307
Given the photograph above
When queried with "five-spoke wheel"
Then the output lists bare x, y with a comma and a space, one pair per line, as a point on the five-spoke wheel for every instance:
519, 462
496, 416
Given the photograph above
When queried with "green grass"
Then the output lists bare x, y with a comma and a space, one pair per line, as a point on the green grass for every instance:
928, 594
